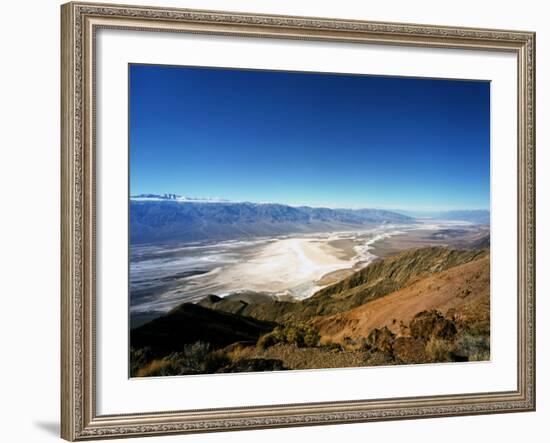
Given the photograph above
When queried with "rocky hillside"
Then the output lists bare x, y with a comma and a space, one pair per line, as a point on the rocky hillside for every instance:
376, 280
443, 291
389, 275
420, 306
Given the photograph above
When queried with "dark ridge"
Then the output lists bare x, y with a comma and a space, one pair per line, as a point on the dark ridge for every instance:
190, 323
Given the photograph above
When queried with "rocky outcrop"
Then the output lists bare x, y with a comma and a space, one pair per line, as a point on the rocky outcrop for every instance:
381, 339
410, 350
431, 324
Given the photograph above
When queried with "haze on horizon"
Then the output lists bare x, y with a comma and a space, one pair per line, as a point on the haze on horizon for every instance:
320, 140
366, 205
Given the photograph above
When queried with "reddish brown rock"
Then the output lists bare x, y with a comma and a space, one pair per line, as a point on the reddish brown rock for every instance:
428, 324
381, 339
410, 350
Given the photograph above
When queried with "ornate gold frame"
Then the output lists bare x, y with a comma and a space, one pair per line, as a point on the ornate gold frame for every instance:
79, 420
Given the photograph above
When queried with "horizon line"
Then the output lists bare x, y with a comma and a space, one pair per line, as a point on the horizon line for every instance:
183, 199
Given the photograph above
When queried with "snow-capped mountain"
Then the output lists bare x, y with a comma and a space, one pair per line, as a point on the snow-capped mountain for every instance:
177, 198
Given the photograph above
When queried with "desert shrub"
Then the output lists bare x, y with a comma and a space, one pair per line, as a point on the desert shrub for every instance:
215, 360
192, 357
300, 335
236, 351
311, 336
294, 335
271, 338
196, 350
156, 368
474, 347
138, 359
173, 364
199, 358
480, 328
331, 346
480, 356
195, 358
439, 350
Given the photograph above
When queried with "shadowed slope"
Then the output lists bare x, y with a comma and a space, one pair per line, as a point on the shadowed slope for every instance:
189, 323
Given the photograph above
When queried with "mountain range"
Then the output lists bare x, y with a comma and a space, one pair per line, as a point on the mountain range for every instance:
156, 218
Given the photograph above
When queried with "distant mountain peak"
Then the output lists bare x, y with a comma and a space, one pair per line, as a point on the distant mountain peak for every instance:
178, 198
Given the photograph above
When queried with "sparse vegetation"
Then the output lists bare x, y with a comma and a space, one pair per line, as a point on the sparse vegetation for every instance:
219, 335
139, 358
434, 338
473, 347
439, 350
301, 335
198, 358
195, 358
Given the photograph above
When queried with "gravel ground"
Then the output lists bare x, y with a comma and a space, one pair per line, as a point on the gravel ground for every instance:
307, 358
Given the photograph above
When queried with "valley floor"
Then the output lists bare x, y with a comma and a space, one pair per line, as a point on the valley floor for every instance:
292, 267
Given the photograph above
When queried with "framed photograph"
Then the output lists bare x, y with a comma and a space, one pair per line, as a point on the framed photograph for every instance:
277, 221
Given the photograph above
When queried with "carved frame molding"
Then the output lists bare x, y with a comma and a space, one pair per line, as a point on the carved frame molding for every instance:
80, 21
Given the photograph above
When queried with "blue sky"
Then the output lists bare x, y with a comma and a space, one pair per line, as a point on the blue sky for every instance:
310, 138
